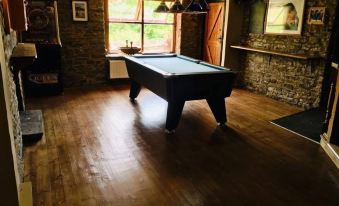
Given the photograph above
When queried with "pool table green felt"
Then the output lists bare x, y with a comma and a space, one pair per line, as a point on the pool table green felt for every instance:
177, 65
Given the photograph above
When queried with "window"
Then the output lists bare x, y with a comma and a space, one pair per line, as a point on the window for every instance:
134, 20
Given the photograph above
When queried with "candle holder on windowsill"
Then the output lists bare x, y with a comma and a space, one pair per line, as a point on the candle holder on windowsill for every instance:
130, 50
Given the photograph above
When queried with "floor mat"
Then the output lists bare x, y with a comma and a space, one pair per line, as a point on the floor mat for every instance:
308, 123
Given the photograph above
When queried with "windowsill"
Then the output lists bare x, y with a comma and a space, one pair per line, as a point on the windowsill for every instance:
114, 55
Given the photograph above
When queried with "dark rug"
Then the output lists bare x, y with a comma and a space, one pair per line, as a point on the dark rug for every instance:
308, 123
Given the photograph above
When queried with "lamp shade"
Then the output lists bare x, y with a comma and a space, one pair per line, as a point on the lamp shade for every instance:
162, 8
197, 7
177, 7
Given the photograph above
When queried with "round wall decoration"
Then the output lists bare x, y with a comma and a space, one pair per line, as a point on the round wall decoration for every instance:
37, 19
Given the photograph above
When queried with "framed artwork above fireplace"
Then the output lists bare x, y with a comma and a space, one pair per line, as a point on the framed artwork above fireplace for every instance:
284, 17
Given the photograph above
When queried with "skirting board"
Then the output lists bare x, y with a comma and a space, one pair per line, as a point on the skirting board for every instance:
26, 196
330, 151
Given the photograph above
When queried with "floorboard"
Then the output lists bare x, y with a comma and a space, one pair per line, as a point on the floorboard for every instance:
100, 149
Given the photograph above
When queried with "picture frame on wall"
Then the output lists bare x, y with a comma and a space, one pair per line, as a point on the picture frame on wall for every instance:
316, 15
284, 17
80, 10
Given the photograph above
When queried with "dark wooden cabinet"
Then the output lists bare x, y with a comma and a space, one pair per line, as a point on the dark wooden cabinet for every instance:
44, 76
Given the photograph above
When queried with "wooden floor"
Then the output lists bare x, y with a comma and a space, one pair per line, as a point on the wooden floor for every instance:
100, 149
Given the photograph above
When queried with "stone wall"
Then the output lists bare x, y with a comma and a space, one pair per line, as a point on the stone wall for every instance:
83, 44
192, 34
9, 43
290, 80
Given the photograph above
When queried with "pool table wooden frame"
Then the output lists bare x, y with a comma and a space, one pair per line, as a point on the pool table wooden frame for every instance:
177, 88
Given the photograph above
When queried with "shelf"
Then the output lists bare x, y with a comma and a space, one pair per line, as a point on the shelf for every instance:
23, 54
277, 53
23, 50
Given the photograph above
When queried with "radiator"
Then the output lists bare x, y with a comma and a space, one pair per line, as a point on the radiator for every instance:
117, 69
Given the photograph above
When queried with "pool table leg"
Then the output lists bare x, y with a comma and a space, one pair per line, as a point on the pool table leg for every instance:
217, 105
174, 111
135, 90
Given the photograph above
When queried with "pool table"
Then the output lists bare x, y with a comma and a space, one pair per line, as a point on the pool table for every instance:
177, 79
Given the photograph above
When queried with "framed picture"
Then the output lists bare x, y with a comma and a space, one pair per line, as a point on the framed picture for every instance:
316, 15
284, 17
80, 11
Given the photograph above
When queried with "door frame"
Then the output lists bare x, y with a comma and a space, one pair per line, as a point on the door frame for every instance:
222, 33
234, 13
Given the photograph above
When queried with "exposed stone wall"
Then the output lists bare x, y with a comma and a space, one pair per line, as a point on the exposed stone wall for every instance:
290, 80
9, 43
192, 34
83, 44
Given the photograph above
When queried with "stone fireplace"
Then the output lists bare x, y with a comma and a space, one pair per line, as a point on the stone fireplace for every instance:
294, 81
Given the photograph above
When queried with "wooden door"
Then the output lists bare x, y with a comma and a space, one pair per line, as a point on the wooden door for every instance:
214, 33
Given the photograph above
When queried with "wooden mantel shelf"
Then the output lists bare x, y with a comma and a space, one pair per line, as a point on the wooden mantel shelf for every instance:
24, 50
23, 54
277, 53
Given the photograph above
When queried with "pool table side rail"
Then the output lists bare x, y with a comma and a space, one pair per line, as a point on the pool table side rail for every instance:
140, 62
149, 78
167, 74
214, 66
202, 86
140, 56
189, 59
166, 56
181, 57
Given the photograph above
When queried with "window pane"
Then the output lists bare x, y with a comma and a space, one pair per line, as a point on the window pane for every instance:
120, 32
158, 38
124, 10
151, 17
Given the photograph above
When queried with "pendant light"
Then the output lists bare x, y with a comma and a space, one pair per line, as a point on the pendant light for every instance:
177, 7
162, 8
194, 7
197, 7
